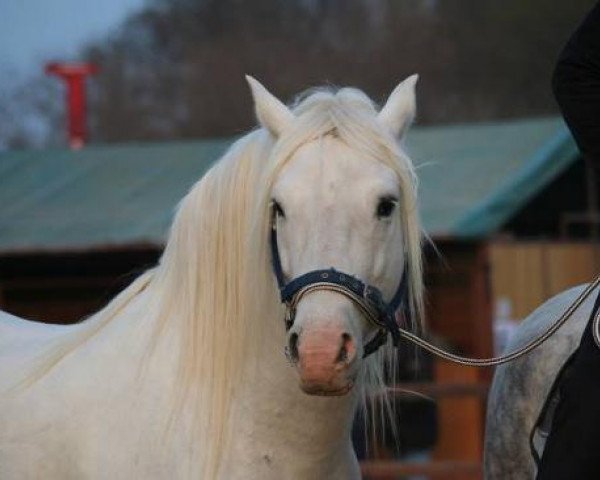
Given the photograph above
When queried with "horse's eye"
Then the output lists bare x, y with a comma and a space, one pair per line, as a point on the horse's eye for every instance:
277, 209
385, 207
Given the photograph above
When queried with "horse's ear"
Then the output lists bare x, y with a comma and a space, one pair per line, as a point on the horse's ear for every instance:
270, 112
399, 111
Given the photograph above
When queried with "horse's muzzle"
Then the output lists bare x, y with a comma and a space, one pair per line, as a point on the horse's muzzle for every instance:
325, 358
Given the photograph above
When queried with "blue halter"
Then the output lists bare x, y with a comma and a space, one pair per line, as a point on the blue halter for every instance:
368, 298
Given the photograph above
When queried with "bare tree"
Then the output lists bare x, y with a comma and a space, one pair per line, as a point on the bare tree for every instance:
176, 69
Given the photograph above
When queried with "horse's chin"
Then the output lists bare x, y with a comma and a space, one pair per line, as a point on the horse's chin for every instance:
327, 391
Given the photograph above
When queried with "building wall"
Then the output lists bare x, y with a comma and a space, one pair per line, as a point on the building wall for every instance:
458, 296
67, 287
527, 273
459, 312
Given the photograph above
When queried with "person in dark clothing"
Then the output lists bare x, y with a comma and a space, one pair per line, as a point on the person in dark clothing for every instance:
571, 451
576, 85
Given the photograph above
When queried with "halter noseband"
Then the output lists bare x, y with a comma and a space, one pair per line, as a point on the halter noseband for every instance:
367, 298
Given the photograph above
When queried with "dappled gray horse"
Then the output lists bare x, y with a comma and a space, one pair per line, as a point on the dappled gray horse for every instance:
520, 389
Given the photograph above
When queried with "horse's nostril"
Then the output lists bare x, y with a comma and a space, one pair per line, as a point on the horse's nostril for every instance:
343, 355
293, 348
346, 354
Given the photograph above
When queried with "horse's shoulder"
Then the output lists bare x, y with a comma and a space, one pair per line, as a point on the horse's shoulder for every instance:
520, 388
537, 369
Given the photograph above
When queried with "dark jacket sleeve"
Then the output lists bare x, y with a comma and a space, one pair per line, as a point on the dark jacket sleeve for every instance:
576, 84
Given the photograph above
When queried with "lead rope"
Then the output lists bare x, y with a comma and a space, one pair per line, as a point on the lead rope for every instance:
490, 362
596, 328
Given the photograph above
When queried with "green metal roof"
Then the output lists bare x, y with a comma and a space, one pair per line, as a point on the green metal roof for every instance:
473, 179
97, 197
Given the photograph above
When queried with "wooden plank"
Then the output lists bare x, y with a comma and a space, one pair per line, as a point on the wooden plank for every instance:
481, 327
529, 273
517, 274
570, 265
377, 469
53, 283
448, 295
436, 390
461, 428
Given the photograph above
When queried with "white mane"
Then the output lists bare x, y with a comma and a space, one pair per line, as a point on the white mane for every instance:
214, 286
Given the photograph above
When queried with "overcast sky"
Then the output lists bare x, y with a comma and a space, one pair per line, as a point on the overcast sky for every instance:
33, 31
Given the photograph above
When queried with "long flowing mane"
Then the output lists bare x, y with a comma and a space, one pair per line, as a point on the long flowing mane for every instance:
214, 286
215, 276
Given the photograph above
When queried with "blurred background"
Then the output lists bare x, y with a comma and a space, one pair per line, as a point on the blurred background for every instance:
505, 195
175, 68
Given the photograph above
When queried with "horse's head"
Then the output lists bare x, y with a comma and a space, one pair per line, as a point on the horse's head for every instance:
338, 202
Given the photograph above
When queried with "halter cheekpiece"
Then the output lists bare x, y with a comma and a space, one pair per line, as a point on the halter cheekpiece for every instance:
367, 298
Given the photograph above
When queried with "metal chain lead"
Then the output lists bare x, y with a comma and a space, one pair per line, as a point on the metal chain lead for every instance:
490, 362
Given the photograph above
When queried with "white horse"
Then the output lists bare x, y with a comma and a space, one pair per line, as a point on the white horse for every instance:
520, 388
183, 374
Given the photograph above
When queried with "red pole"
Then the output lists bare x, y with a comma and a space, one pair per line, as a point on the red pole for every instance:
74, 76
